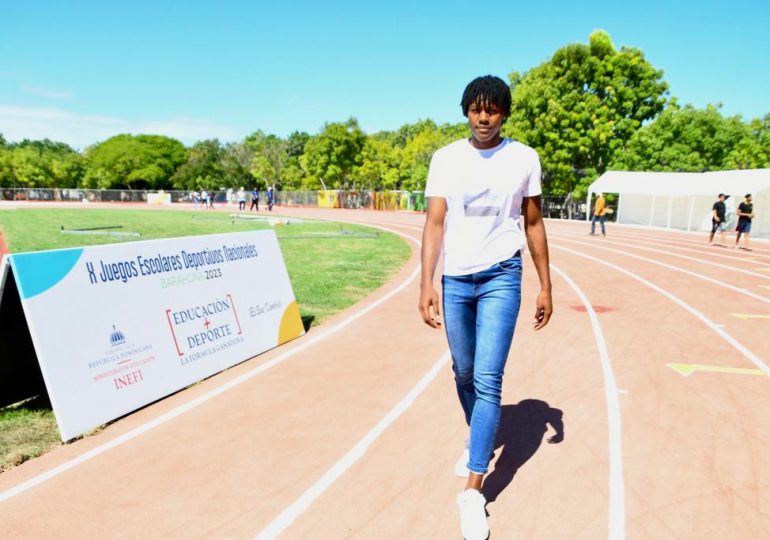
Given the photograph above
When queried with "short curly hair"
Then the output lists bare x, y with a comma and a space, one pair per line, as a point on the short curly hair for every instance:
487, 89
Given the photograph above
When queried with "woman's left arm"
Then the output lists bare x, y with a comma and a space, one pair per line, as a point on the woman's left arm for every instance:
534, 229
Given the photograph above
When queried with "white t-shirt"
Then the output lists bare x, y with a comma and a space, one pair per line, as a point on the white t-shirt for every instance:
484, 190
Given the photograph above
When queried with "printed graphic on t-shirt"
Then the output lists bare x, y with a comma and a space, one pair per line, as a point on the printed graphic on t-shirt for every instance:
481, 204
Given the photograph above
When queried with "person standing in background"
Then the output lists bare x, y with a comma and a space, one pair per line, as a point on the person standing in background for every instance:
745, 215
254, 200
241, 200
270, 197
600, 210
718, 214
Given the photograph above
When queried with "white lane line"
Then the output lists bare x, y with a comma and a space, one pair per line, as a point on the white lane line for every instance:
181, 409
753, 358
669, 266
695, 259
687, 246
299, 506
677, 244
617, 505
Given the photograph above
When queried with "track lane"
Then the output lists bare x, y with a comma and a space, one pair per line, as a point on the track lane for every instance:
405, 487
693, 447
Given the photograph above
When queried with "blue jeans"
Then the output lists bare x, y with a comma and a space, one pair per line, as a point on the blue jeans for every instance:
480, 312
600, 219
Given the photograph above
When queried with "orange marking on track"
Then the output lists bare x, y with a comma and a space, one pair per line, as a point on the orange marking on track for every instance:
598, 309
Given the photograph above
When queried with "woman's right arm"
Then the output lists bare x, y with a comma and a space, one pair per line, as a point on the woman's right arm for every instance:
432, 239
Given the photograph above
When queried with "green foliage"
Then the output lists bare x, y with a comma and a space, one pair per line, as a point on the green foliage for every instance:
40, 164
754, 152
7, 178
270, 158
333, 155
420, 145
696, 140
134, 162
379, 167
236, 164
292, 173
578, 108
203, 168
400, 159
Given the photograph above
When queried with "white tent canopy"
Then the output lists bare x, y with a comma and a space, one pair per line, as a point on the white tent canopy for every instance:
684, 200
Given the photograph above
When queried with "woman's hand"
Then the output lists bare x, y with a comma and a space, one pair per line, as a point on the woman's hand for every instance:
543, 310
429, 307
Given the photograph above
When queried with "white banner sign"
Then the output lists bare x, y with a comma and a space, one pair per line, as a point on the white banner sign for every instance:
119, 326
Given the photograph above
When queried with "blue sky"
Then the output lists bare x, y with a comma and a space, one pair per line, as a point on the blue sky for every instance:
82, 71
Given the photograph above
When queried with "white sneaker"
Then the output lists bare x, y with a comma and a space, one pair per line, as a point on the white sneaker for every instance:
461, 467
473, 516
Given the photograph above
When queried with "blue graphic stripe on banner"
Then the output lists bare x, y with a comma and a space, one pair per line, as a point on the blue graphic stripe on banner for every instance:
37, 272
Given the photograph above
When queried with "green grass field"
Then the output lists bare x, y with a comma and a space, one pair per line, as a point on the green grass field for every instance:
331, 266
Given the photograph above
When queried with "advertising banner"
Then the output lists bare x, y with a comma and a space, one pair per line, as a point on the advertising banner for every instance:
328, 199
116, 327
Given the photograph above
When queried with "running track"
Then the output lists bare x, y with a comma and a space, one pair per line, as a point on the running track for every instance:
352, 431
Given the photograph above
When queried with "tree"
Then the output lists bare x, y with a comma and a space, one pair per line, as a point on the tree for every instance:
43, 164
7, 178
236, 164
333, 155
420, 141
379, 167
756, 152
134, 162
295, 144
292, 175
578, 108
270, 158
30, 167
416, 157
203, 168
687, 139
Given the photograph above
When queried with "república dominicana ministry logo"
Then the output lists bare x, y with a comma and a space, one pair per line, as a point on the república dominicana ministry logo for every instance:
117, 337
122, 363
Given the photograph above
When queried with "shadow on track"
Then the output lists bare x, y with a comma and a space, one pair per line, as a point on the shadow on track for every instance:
521, 431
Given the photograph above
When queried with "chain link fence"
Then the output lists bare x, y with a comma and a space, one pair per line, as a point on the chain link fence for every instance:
552, 207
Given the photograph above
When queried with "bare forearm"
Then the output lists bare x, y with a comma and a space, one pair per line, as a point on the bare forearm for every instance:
538, 248
432, 238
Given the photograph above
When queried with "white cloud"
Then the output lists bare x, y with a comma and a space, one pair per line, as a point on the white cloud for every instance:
45, 92
81, 130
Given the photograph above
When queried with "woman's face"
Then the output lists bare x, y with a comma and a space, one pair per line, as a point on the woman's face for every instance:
485, 120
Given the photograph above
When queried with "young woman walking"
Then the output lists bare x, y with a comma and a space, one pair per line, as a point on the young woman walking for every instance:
477, 190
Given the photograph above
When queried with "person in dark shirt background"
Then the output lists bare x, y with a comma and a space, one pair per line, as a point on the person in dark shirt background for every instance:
745, 214
254, 200
718, 214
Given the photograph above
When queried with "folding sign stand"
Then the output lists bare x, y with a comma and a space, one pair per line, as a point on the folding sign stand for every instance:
115, 327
